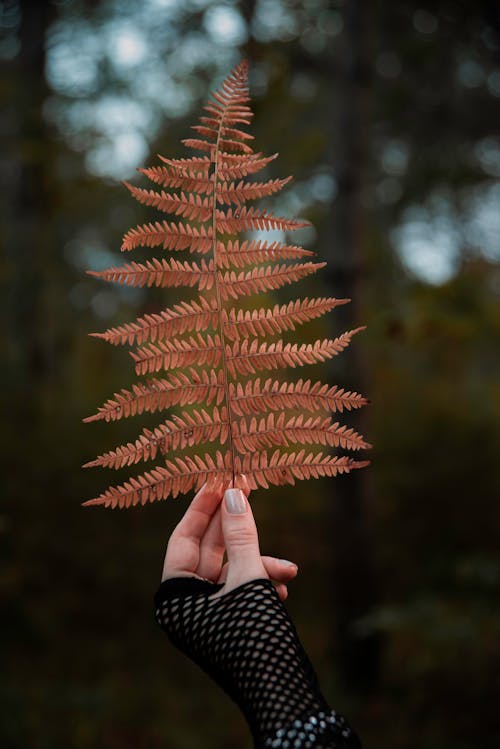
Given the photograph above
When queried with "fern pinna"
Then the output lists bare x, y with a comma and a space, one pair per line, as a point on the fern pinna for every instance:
200, 350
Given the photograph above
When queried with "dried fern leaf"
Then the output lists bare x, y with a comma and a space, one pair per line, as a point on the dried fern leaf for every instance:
156, 395
170, 236
212, 133
260, 397
245, 219
185, 204
177, 477
239, 254
270, 431
248, 359
284, 468
161, 273
210, 340
177, 353
251, 165
232, 192
271, 320
181, 318
181, 431
170, 177
234, 285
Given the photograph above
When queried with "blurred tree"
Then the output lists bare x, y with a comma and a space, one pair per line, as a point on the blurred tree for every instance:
389, 119
31, 207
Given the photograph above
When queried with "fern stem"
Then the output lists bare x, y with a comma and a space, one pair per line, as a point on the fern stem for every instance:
219, 300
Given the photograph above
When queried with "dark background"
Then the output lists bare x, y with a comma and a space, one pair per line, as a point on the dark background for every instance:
388, 115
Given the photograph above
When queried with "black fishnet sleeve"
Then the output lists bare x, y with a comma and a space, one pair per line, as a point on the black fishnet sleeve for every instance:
246, 641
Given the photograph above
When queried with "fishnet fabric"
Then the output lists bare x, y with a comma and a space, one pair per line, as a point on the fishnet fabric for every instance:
246, 641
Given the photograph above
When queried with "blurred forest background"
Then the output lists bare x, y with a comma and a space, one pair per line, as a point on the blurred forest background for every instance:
388, 115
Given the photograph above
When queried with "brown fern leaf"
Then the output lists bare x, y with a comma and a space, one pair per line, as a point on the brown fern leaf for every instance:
259, 397
178, 477
186, 205
250, 165
246, 219
188, 167
179, 432
270, 431
240, 254
212, 342
212, 133
181, 318
234, 285
177, 353
238, 193
156, 395
250, 358
169, 236
283, 468
160, 273
269, 321
172, 177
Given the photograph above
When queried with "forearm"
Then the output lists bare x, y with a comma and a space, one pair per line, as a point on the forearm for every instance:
246, 641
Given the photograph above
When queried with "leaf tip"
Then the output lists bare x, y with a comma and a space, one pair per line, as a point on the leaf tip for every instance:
93, 502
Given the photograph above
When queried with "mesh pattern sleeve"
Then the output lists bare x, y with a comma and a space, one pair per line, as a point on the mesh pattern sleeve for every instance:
246, 641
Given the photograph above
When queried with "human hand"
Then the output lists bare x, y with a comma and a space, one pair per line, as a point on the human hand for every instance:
212, 526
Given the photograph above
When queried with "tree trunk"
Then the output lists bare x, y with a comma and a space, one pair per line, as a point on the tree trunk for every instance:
30, 240
353, 572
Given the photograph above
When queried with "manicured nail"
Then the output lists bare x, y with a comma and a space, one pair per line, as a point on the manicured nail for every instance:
287, 563
235, 502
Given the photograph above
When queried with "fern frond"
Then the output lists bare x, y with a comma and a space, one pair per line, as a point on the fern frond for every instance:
234, 285
171, 177
181, 318
186, 205
169, 236
269, 321
212, 132
240, 254
181, 431
177, 353
162, 273
251, 164
192, 167
248, 359
243, 219
283, 468
156, 395
178, 477
270, 431
210, 340
259, 397
232, 192
242, 116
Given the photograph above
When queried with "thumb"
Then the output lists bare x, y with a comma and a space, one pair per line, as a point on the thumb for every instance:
241, 540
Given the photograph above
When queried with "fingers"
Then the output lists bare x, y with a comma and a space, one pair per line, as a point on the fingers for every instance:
282, 591
281, 571
183, 550
212, 549
212, 544
241, 539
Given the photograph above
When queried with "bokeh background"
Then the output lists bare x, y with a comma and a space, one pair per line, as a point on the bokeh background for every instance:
388, 115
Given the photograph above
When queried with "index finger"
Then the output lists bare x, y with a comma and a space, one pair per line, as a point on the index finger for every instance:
197, 517
183, 547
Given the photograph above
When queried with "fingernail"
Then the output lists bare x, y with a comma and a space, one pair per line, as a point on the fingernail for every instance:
235, 501
287, 563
